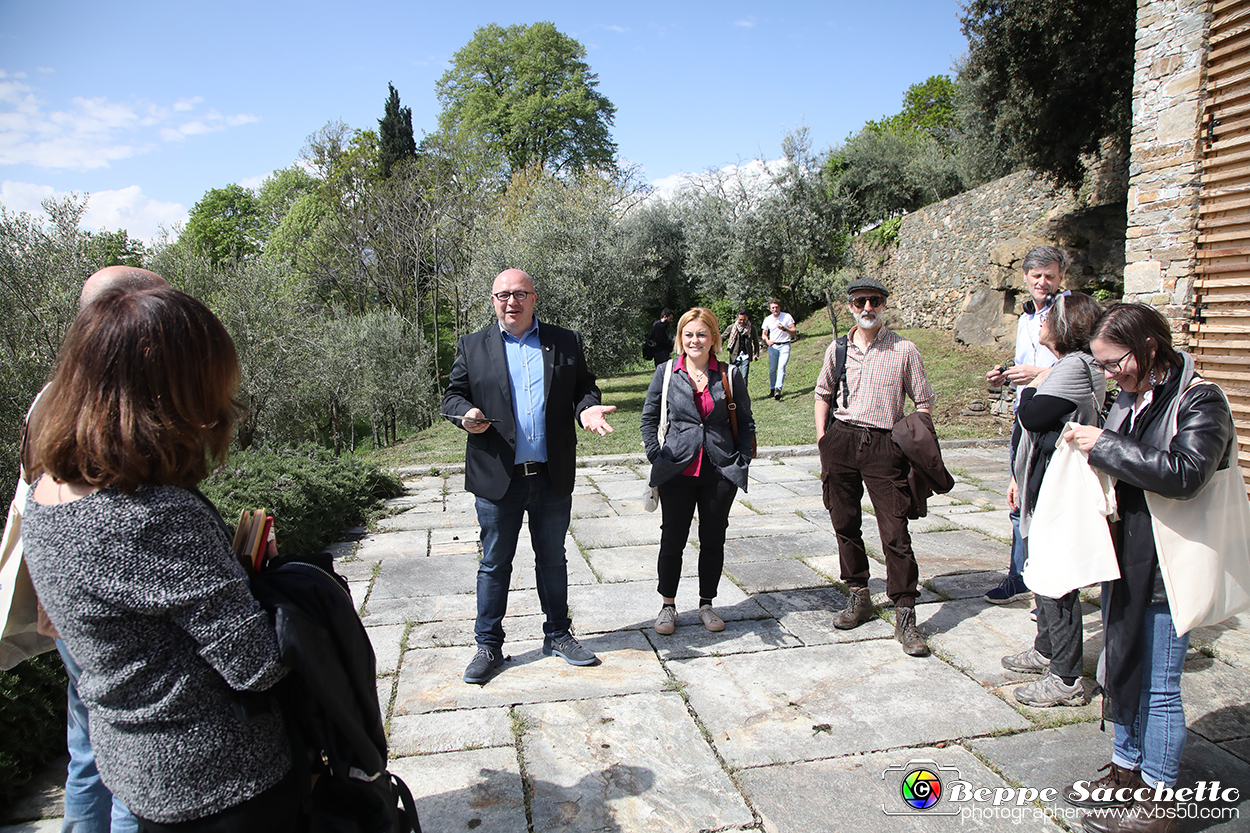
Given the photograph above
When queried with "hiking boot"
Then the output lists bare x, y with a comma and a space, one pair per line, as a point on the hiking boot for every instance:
906, 632
666, 622
858, 610
567, 648
1052, 691
1117, 777
1027, 662
1147, 816
710, 619
486, 660
1012, 589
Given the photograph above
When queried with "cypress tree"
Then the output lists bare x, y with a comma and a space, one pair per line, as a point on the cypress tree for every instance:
395, 140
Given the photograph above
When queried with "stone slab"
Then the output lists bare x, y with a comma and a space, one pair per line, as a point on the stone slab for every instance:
778, 547
805, 487
635, 530
450, 731
831, 567
414, 520
767, 576
392, 611
789, 705
1215, 695
439, 575
478, 790
765, 525
691, 639
633, 605
634, 763
996, 524
622, 489
615, 564
388, 545
968, 585
959, 551
863, 792
808, 614
432, 678
385, 641
591, 506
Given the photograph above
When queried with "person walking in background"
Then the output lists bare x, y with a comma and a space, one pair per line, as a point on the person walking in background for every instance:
1068, 391
702, 462
742, 344
658, 340
1044, 270
518, 387
857, 451
136, 571
779, 330
89, 805
1168, 433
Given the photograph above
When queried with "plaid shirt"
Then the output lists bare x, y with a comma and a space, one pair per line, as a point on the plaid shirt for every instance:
877, 380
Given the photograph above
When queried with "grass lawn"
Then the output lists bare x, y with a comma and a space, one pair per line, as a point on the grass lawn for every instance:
956, 371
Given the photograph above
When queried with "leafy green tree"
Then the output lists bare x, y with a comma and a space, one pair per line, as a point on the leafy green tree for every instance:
115, 248
883, 172
278, 193
395, 141
528, 92
225, 224
1053, 77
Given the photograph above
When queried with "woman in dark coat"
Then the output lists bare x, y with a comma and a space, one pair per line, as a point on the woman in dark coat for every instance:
1132, 344
701, 463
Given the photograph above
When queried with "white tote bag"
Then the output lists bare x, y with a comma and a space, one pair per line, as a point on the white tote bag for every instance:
18, 604
1204, 548
651, 494
1069, 541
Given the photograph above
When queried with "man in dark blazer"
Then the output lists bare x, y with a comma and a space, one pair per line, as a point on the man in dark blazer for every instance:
516, 387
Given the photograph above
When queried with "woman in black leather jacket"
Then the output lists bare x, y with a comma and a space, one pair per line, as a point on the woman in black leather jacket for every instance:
702, 464
1132, 344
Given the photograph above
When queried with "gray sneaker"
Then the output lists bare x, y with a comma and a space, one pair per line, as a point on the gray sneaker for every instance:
666, 622
1051, 691
1027, 662
567, 648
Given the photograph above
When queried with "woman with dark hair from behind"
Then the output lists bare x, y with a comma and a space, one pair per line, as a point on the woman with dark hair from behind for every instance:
135, 569
1069, 390
1132, 344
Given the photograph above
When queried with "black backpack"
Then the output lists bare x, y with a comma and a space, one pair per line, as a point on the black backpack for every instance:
839, 378
330, 701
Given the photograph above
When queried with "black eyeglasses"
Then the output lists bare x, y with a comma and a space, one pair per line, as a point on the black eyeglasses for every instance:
876, 300
1112, 366
519, 294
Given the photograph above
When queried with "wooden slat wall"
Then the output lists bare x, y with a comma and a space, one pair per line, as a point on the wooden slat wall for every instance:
1220, 330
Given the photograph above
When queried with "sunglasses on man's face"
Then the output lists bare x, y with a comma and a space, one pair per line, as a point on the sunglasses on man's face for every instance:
876, 300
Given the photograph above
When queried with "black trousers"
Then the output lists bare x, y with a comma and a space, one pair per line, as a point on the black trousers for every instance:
713, 496
1059, 634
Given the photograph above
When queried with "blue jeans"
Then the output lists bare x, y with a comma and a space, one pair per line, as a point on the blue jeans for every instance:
744, 368
1155, 741
778, 358
1016, 570
500, 520
89, 806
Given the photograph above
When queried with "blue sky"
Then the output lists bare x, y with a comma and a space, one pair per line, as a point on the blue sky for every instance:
146, 105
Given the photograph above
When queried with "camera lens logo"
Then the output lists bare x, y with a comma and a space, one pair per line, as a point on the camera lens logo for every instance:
921, 789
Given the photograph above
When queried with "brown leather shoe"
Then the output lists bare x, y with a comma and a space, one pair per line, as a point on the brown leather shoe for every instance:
906, 632
858, 610
1117, 777
1140, 817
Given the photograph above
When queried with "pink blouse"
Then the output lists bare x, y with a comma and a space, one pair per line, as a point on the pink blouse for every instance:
703, 402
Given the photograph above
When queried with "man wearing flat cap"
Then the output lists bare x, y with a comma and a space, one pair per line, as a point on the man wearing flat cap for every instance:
857, 451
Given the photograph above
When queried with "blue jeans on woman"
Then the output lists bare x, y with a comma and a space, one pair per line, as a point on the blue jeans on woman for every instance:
89, 806
1155, 741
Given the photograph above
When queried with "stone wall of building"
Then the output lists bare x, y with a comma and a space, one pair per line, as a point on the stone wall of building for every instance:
1164, 168
957, 263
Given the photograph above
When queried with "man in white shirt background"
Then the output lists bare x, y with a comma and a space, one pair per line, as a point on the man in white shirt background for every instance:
779, 330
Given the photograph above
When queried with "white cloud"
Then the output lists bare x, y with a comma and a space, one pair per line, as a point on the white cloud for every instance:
745, 23
93, 132
254, 182
126, 208
754, 176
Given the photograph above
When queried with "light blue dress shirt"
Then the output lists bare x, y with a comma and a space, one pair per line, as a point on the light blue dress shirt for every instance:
524, 356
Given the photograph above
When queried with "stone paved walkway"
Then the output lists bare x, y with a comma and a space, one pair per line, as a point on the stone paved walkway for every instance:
779, 723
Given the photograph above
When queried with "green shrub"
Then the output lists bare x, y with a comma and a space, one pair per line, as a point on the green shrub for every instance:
312, 494
32, 720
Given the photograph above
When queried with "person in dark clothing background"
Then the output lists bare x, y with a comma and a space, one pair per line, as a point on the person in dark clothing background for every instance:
658, 340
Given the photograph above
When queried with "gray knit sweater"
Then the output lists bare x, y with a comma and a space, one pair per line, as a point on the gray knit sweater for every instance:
152, 604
